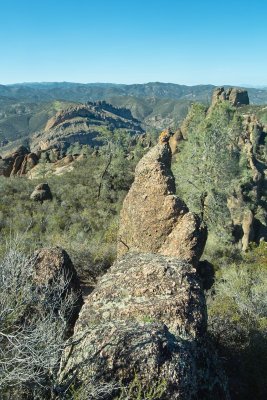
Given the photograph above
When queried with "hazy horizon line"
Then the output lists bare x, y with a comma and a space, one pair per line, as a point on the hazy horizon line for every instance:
245, 85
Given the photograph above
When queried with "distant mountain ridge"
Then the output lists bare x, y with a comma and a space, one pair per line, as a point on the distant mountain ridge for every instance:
48, 91
25, 108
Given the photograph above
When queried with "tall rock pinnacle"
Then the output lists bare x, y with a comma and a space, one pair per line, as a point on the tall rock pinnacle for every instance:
153, 219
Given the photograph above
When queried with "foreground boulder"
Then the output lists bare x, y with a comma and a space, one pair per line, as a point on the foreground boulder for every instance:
53, 265
153, 219
41, 193
146, 319
51, 262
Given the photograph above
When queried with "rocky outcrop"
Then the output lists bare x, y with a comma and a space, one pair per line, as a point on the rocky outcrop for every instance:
248, 231
248, 225
29, 162
83, 123
41, 193
237, 97
18, 163
254, 130
52, 265
153, 219
18, 158
146, 318
89, 110
247, 204
175, 140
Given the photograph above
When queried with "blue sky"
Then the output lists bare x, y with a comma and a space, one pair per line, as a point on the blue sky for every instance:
188, 42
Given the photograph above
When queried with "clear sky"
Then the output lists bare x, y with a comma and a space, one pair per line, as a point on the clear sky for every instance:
124, 41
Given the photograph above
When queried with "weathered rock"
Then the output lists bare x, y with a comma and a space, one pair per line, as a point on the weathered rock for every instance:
82, 123
254, 130
6, 165
18, 163
242, 219
153, 219
248, 231
64, 161
237, 97
247, 227
41, 193
53, 264
146, 317
174, 141
30, 161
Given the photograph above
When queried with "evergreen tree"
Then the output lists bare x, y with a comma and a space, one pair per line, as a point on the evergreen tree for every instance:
207, 167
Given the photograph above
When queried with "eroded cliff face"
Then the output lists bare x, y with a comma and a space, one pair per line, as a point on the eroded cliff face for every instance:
153, 219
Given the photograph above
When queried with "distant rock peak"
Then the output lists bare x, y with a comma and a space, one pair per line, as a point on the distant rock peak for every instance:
237, 97
96, 110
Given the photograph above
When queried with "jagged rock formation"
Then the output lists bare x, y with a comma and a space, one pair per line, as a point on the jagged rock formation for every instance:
153, 219
29, 162
18, 163
146, 317
248, 225
41, 193
83, 123
53, 264
237, 97
248, 204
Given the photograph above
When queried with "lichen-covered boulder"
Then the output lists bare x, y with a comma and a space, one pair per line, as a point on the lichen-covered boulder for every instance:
153, 219
146, 318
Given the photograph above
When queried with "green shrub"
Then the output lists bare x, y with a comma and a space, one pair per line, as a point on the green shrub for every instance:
237, 310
